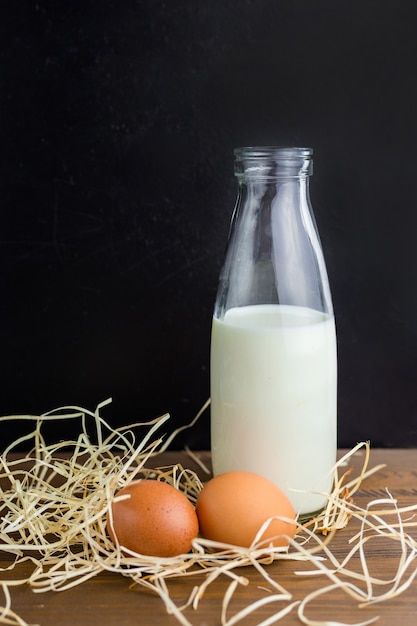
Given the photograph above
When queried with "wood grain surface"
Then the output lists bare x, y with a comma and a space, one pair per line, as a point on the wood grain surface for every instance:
108, 599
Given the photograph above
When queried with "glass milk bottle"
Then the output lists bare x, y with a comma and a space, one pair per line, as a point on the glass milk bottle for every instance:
273, 344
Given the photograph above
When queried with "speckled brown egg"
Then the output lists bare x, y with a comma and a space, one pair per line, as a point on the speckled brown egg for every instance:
152, 518
232, 507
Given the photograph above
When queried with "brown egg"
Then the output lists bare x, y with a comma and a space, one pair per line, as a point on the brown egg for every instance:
232, 507
153, 518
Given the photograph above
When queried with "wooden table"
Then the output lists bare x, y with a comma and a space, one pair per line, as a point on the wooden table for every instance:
108, 600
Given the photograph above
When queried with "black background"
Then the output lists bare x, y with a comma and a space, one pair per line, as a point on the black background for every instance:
117, 125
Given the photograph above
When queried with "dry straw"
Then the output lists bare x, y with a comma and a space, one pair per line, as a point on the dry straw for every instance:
55, 504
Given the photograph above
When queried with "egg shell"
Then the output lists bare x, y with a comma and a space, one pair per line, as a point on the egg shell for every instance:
232, 507
152, 518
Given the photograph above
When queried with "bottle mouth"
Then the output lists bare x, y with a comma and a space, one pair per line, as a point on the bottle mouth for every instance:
273, 162
277, 152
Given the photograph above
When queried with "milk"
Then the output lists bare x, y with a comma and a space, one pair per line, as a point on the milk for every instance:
273, 398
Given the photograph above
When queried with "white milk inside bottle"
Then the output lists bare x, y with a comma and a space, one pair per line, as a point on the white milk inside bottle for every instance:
273, 398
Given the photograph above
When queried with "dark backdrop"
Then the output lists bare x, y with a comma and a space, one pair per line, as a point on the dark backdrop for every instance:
117, 125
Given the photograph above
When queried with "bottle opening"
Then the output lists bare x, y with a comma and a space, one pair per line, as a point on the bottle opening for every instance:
278, 152
273, 162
